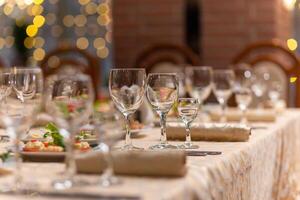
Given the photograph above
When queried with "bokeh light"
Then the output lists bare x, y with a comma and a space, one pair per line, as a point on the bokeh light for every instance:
292, 44
39, 54
82, 43
31, 30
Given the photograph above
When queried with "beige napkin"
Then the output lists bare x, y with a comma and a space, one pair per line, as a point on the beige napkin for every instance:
210, 132
266, 115
137, 163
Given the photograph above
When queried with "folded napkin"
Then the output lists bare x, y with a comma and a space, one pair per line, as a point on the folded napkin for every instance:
265, 115
210, 132
137, 163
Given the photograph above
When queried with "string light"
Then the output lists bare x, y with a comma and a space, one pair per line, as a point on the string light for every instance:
292, 44
38, 54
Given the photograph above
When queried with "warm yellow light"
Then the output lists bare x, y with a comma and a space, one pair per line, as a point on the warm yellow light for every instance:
103, 20
39, 21
289, 4
99, 43
83, 2
91, 8
80, 20
39, 54
28, 2
39, 42
38, 2
31, 30
68, 20
292, 44
8, 9
102, 9
29, 42
82, 43
37, 10
293, 79
102, 53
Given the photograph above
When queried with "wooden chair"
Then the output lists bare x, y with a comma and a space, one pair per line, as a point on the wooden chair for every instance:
169, 56
57, 61
273, 57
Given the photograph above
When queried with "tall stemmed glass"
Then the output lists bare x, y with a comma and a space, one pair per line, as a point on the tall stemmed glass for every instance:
127, 89
199, 82
188, 109
162, 93
19, 111
69, 100
259, 86
223, 82
242, 89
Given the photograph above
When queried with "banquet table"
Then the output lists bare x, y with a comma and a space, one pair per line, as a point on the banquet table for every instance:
262, 168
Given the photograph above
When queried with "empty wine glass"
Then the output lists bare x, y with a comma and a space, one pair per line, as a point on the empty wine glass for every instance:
188, 109
199, 82
19, 111
69, 100
242, 88
223, 82
162, 93
5, 84
259, 86
107, 133
274, 92
127, 88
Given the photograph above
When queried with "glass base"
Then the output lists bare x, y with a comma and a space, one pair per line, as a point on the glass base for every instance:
130, 147
106, 181
62, 184
18, 188
163, 146
188, 145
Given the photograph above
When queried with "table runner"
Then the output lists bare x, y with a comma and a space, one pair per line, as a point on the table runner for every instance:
262, 168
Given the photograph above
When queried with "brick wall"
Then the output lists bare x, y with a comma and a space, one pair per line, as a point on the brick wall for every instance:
227, 26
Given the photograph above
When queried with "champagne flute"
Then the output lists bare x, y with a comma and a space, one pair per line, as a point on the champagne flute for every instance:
162, 93
199, 82
223, 81
69, 100
188, 109
24, 87
127, 88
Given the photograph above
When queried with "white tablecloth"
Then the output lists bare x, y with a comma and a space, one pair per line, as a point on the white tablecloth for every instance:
260, 169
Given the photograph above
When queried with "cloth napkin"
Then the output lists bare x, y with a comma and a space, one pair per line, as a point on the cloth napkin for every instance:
265, 115
210, 132
137, 163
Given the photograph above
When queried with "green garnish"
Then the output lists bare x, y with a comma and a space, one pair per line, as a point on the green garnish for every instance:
53, 131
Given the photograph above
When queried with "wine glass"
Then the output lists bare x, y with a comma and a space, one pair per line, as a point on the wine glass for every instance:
199, 82
188, 109
162, 93
274, 92
23, 89
127, 88
223, 81
259, 86
69, 100
107, 133
242, 88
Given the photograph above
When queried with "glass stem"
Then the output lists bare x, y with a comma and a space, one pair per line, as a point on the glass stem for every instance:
18, 159
163, 136
244, 117
223, 115
188, 139
70, 161
128, 133
108, 172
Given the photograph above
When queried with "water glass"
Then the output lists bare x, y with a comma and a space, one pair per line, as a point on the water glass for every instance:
69, 100
162, 93
127, 88
223, 82
187, 110
243, 97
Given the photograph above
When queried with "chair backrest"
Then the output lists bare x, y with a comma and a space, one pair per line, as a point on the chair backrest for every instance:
273, 57
74, 60
166, 58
